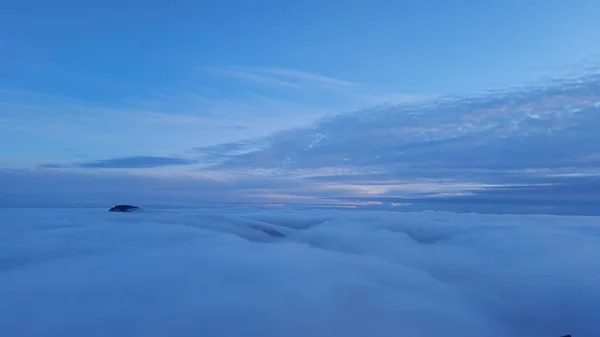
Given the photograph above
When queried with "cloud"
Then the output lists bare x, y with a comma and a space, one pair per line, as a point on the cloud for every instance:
189, 115
217, 153
256, 78
304, 75
311, 87
51, 165
237, 127
351, 273
134, 162
60, 188
280, 77
547, 127
564, 196
446, 146
83, 187
450, 147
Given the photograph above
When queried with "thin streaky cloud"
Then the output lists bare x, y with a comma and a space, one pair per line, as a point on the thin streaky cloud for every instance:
301, 75
281, 77
252, 77
125, 162
46, 115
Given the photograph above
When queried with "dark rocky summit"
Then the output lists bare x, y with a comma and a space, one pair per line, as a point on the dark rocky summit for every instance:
123, 208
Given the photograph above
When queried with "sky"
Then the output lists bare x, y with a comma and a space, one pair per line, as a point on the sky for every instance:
305, 102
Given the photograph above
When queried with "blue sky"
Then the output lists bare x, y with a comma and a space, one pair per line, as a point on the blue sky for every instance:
105, 91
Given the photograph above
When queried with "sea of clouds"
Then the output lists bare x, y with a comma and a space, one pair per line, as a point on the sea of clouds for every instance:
252, 272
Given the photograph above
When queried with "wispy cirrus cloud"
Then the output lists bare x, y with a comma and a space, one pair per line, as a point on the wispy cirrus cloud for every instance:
63, 125
134, 162
189, 115
281, 77
304, 75
298, 85
549, 127
444, 148
253, 77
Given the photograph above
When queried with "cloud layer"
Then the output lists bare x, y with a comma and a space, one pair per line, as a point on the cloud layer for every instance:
214, 272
